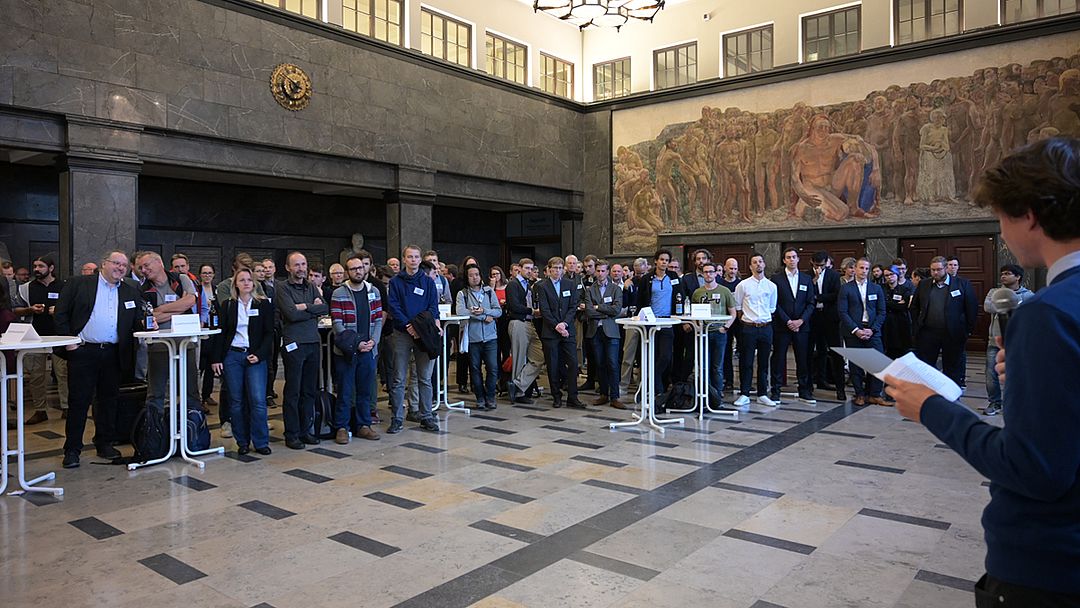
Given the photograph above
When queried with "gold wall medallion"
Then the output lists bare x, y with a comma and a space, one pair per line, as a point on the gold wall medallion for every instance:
291, 87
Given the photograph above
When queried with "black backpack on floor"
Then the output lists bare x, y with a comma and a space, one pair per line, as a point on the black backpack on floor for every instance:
324, 414
679, 397
150, 435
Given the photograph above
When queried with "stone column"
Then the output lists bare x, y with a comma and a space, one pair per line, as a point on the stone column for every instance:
99, 210
771, 251
408, 210
572, 233
882, 251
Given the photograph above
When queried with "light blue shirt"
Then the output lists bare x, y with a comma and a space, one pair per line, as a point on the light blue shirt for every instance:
556, 285
661, 296
101, 327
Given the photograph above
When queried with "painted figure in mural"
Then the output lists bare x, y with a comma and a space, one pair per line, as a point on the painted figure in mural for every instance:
822, 172
643, 218
906, 147
666, 161
878, 133
792, 130
630, 174
960, 116
1018, 116
696, 154
764, 169
936, 180
1064, 106
732, 160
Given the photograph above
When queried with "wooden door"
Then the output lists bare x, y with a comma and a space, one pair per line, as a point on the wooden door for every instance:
837, 249
978, 264
741, 253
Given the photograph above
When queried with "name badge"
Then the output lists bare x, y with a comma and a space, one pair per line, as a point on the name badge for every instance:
371, 295
898, 297
170, 297
872, 297
955, 293
579, 285
254, 312
802, 287
607, 300
418, 291
291, 346
129, 304
716, 296
54, 296
674, 281
566, 294
438, 285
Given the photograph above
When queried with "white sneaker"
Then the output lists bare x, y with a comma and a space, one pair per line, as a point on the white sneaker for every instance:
226, 429
764, 400
742, 402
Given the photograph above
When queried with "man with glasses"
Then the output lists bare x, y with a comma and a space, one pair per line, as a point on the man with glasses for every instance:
558, 302
825, 327
356, 310
721, 298
944, 318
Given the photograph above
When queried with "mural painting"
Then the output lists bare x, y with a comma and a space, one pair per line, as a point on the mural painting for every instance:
900, 155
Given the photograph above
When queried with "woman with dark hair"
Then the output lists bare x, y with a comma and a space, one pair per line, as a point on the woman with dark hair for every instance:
497, 281
479, 334
456, 285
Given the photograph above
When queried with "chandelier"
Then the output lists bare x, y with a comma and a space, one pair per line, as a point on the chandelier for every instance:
600, 13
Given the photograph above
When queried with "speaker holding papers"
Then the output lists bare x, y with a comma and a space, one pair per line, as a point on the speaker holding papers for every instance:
909, 368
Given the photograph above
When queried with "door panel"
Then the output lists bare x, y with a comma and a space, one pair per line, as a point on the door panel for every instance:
837, 249
740, 252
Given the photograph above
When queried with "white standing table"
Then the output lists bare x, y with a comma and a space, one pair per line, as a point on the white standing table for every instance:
701, 359
176, 343
441, 389
647, 330
45, 346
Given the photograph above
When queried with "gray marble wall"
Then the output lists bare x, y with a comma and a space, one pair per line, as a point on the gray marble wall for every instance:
99, 210
882, 250
771, 251
597, 181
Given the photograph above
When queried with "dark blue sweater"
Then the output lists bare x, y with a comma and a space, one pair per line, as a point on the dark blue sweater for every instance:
1032, 523
409, 296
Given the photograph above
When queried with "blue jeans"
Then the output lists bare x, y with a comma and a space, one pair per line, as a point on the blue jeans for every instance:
993, 385
488, 353
717, 347
404, 347
607, 351
355, 388
245, 379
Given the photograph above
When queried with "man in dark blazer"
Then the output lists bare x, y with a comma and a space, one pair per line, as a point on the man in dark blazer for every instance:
558, 298
825, 327
525, 348
861, 305
791, 325
603, 304
945, 310
105, 311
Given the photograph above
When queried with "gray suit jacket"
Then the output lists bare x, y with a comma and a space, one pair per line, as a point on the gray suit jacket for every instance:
601, 309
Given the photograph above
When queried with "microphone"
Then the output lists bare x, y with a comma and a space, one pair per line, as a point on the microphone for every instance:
1002, 302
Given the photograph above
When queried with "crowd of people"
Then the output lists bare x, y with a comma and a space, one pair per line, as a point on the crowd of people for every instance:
384, 324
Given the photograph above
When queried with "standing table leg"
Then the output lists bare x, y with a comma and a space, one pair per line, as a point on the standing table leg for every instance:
182, 393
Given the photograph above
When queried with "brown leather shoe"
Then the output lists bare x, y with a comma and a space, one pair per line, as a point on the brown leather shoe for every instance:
366, 432
601, 400
859, 400
38, 417
342, 437
210, 401
618, 405
878, 401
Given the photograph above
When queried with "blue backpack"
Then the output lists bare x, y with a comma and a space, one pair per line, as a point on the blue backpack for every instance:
198, 432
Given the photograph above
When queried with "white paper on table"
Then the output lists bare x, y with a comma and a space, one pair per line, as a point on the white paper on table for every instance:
18, 333
909, 368
185, 323
444, 311
646, 314
700, 311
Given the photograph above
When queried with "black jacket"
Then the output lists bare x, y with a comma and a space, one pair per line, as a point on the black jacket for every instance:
557, 308
260, 331
961, 309
517, 307
830, 290
76, 302
429, 340
644, 289
791, 307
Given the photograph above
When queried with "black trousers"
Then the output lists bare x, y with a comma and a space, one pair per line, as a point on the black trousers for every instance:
93, 370
560, 355
995, 593
663, 347
828, 366
729, 361
754, 340
782, 339
930, 343
682, 358
271, 368
301, 389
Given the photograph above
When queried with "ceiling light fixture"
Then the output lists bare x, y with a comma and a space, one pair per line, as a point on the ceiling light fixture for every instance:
600, 13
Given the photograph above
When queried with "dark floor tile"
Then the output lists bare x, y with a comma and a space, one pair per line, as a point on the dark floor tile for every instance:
195, 484
686, 429
266, 509
535, 557
365, 544
747, 490
768, 541
778, 420
562, 429
308, 476
844, 434
604, 418
870, 467
330, 453
396, 501
660, 444
507, 444
614, 565
617, 487
985, 484
532, 407
723, 444
48, 434
544, 418
693, 463
805, 411
764, 604
172, 568
241, 457
406, 472
487, 417
503, 494
906, 519
96, 528
508, 531
579, 444
746, 430
509, 465
40, 499
600, 461
945, 580
464, 590
493, 429
423, 448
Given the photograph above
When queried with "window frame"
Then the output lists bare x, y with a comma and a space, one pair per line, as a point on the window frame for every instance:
674, 48
747, 32
831, 13
617, 90
280, 4
544, 56
447, 21
373, 19
926, 20
506, 64
1039, 4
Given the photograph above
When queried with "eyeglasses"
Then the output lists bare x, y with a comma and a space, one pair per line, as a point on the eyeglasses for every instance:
355, 268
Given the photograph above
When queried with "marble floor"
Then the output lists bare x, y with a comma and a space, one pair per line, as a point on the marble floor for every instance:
799, 507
